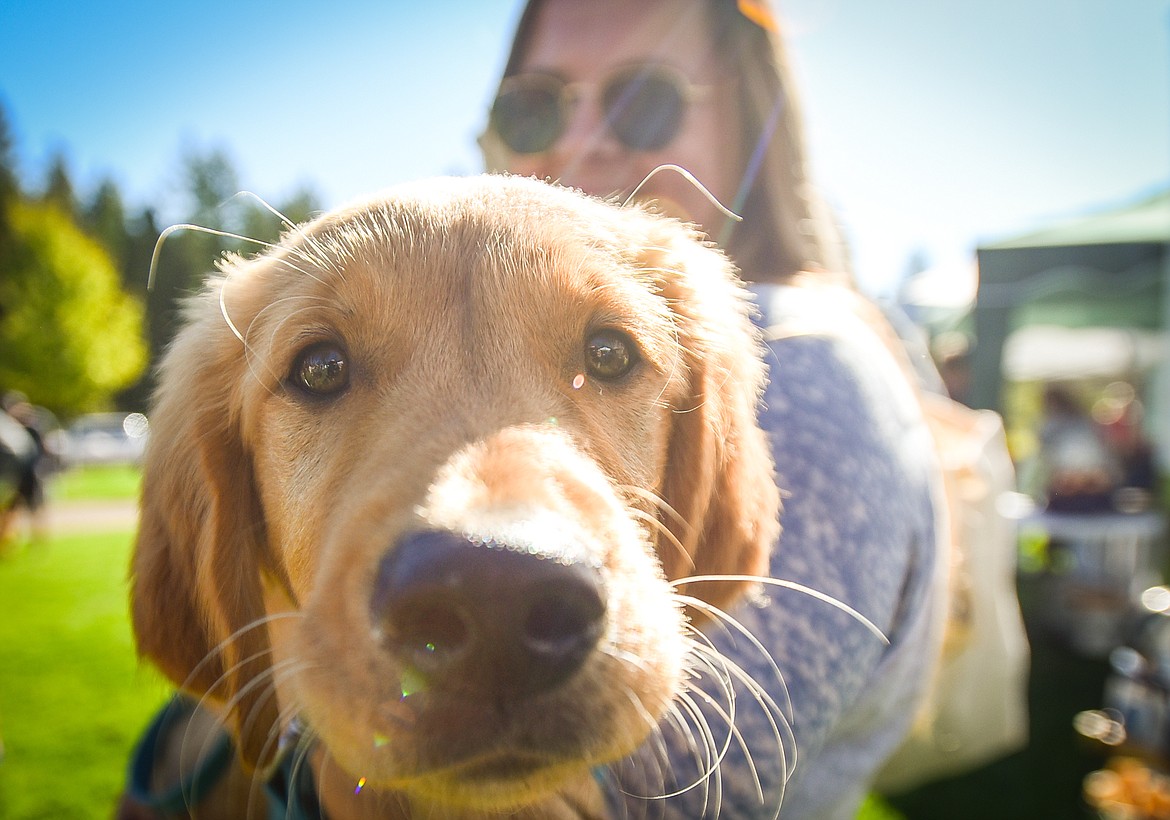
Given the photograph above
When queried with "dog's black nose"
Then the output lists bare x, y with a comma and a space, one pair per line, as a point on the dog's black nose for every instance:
490, 617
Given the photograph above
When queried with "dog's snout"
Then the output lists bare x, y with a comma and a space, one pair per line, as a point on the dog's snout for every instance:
487, 616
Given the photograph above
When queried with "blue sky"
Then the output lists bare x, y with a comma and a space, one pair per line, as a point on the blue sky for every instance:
932, 125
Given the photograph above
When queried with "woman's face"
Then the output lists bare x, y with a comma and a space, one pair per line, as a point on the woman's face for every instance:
584, 43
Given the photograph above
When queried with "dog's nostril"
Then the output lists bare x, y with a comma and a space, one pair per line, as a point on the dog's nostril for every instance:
430, 632
563, 622
484, 616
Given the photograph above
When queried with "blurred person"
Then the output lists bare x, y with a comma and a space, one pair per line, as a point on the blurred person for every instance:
597, 95
1121, 413
1077, 472
951, 352
33, 465
16, 450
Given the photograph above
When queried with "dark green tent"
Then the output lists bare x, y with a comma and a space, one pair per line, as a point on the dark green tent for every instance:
1106, 270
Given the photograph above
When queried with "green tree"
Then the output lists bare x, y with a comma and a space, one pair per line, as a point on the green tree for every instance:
104, 218
212, 184
261, 224
9, 187
187, 258
9, 182
71, 336
59, 188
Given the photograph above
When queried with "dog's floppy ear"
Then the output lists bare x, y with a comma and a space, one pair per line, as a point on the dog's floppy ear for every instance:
196, 599
720, 475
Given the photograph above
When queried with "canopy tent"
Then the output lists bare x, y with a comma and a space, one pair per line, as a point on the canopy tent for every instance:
1107, 272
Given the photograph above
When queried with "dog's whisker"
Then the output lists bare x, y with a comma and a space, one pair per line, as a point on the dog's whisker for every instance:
674, 364
225, 681
650, 765
797, 587
708, 777
656, 749
728, 716
227, 317
778, 719
655, 524
292, 314
702, 746
187, 226
277, 303
313, 262
216, 652
707, 748
290, 228
274, 376
301, 758
699, 745
642, 776
727, 673
726, 623
689, 177
188, 740
657, 502
286, 730
709, 657
221, 722
256, 623
701, 648
266, 683
718, 673
646, 722
263, 203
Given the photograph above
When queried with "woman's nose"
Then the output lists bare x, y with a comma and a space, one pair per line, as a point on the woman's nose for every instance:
586, 134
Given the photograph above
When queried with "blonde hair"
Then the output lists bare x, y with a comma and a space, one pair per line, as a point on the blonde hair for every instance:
786, 228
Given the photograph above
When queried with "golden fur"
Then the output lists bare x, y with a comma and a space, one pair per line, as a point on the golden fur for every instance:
463, 311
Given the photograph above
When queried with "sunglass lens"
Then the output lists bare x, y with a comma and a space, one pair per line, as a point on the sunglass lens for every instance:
527, 118
645, 110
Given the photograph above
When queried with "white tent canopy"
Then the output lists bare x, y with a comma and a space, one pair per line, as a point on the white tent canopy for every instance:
1052, 353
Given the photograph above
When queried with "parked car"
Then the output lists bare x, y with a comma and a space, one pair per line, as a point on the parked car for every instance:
104, 438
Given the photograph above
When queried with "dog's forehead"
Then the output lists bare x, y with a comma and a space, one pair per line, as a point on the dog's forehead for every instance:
459, 254
453, 223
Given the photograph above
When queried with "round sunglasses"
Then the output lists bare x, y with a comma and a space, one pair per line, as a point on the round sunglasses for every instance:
644, 107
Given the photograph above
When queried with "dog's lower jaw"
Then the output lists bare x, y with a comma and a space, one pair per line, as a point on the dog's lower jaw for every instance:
575, 798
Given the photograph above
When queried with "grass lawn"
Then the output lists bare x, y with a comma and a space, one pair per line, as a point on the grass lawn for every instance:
99, 483
73, 696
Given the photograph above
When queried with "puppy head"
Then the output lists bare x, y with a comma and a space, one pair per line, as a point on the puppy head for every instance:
460, 370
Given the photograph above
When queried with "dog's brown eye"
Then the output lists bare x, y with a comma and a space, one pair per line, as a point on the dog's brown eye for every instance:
321, 370
609, 354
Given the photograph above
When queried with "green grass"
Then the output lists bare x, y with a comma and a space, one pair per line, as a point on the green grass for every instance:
73, 697
876, 808
98, 483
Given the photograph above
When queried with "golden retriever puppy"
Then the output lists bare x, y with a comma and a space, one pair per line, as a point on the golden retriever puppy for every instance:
421, 478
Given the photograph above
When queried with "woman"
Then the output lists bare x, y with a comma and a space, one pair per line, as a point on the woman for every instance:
596, 95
